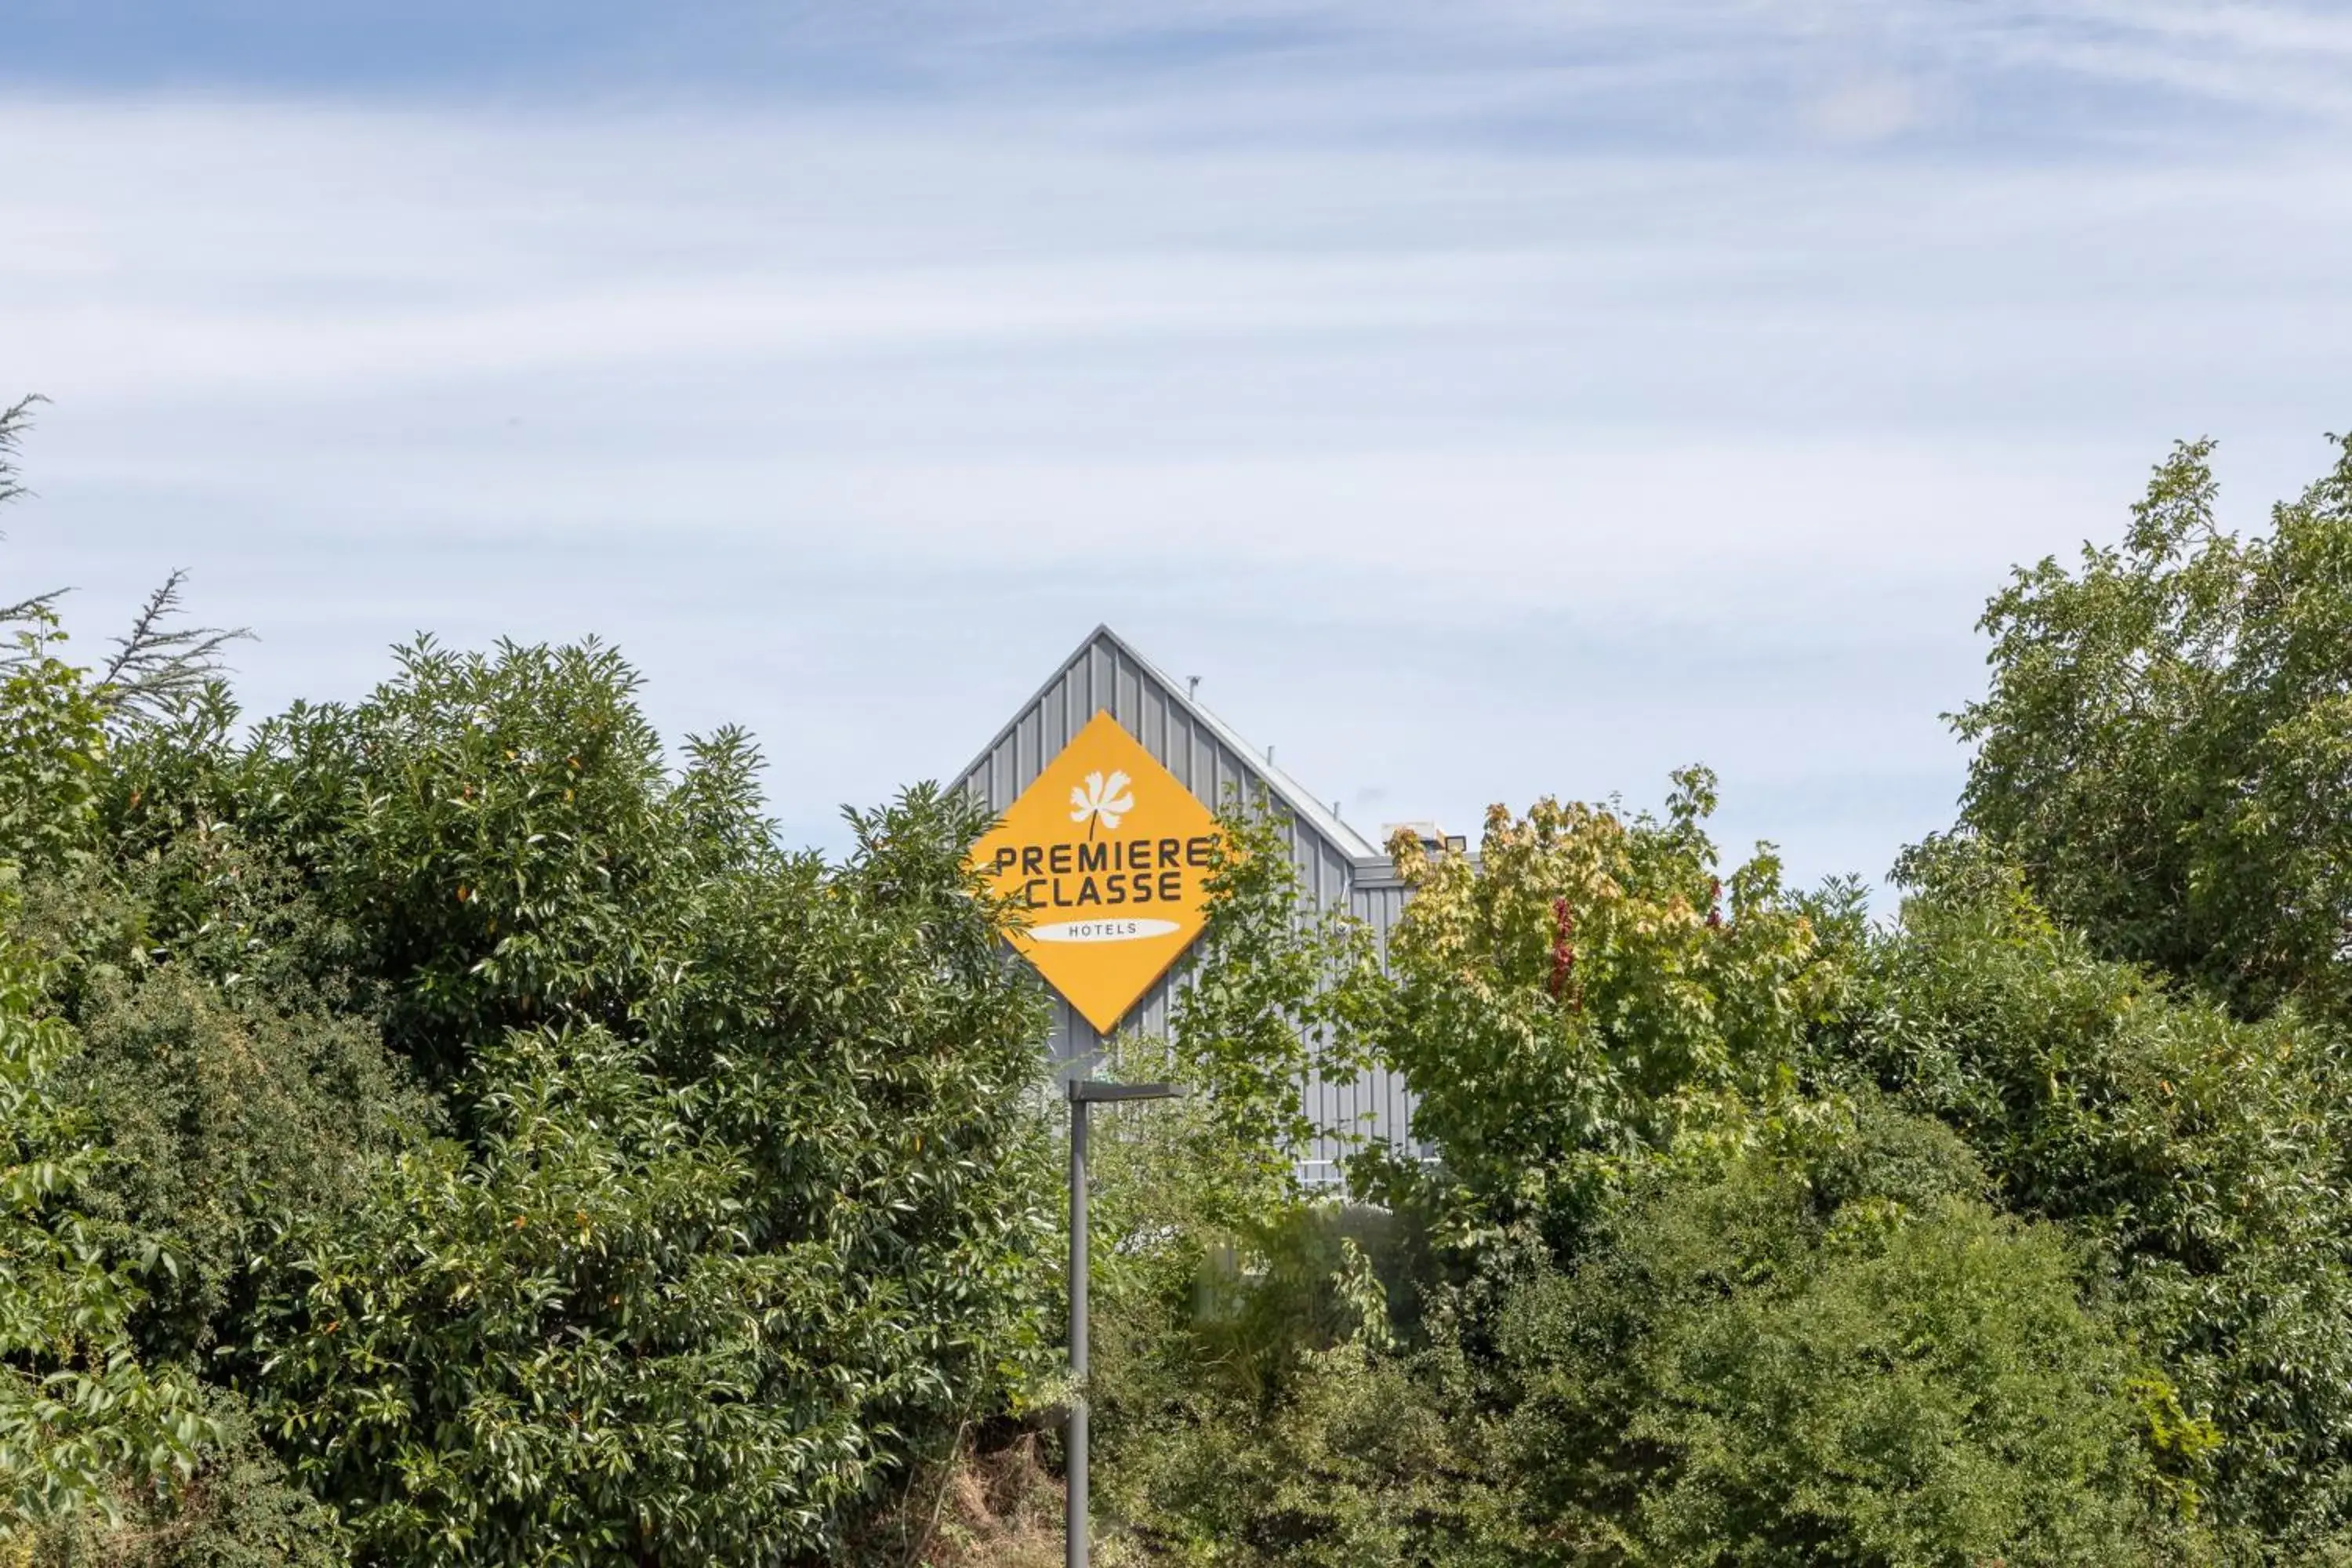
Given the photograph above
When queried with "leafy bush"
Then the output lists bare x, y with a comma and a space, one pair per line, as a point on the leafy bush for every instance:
237, 1508
1362, 1463
1738, 1372
2205, 1158
1249, 1406
2166, 745
569, 1340
743, 1201
81, 1416
1274, 993
229, 1124
1835, 1354
556, 1166
1579, 999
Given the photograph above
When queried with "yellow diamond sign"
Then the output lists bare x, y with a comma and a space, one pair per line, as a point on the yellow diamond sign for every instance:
1110, 854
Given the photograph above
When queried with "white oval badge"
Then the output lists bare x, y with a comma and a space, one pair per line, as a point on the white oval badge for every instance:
1114, 930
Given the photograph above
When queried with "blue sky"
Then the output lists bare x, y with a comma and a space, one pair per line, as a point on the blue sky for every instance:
1485, 400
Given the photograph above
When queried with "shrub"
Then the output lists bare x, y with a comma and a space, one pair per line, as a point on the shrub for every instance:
1739, 1371
2204, 1157
555, 1165
1581, 998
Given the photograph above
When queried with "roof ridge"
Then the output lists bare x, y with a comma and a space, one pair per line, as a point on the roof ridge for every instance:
1301, 802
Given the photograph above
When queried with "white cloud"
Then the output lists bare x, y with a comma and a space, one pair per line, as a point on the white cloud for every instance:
1464, 465
1869, 109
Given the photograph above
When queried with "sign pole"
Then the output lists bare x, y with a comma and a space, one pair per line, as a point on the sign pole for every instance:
1078, 1528
1084, 1094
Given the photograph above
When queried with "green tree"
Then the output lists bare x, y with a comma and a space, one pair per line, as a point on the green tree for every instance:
1248, 1407
1275, 993
1851, 1361
2202, 1157
82, 1416
13, 422
735, 1212
555, 1166
14, 419
1581, 997
2166, 746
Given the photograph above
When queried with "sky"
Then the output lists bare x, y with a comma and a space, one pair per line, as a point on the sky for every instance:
1485, 400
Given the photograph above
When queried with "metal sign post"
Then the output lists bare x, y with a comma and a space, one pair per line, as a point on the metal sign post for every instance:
1086, 1092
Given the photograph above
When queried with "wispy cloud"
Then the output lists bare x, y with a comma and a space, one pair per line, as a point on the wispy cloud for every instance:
1486, 399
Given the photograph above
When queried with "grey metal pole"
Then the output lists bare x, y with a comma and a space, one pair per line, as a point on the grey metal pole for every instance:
1074, 1440
1083, 1093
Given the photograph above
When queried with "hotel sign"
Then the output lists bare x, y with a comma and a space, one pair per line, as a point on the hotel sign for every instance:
1109, 855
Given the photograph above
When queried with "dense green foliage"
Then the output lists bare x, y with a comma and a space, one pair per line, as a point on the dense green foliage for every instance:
2205, 1158
2017, 1231
1580, 999
445, 1127
1742, 1370
556, 1168
2166, 745
2164, 765
80, 1416
442, 1129
1740, 1306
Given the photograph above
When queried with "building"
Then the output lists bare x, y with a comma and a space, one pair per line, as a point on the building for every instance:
1337, 867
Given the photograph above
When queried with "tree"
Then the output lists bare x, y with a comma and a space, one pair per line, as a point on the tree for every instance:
552, 1163
83, 1418
158, 662
2166, 746
14, 421
444, 1095
1580, 999
2201, 1159
1853, 1361
735, 1207
1275, 992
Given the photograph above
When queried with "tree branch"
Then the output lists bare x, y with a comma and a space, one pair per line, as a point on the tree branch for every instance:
155, 663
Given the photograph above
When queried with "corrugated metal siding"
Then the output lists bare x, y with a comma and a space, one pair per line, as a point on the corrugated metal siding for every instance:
1378, 905
1379, 1101
1105, 675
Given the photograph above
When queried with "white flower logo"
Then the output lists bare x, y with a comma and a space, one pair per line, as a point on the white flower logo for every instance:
1101, 801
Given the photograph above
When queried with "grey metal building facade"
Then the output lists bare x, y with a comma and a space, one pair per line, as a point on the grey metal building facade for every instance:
1337, 867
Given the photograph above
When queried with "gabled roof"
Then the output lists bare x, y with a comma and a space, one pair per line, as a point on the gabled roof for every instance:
1298, 800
